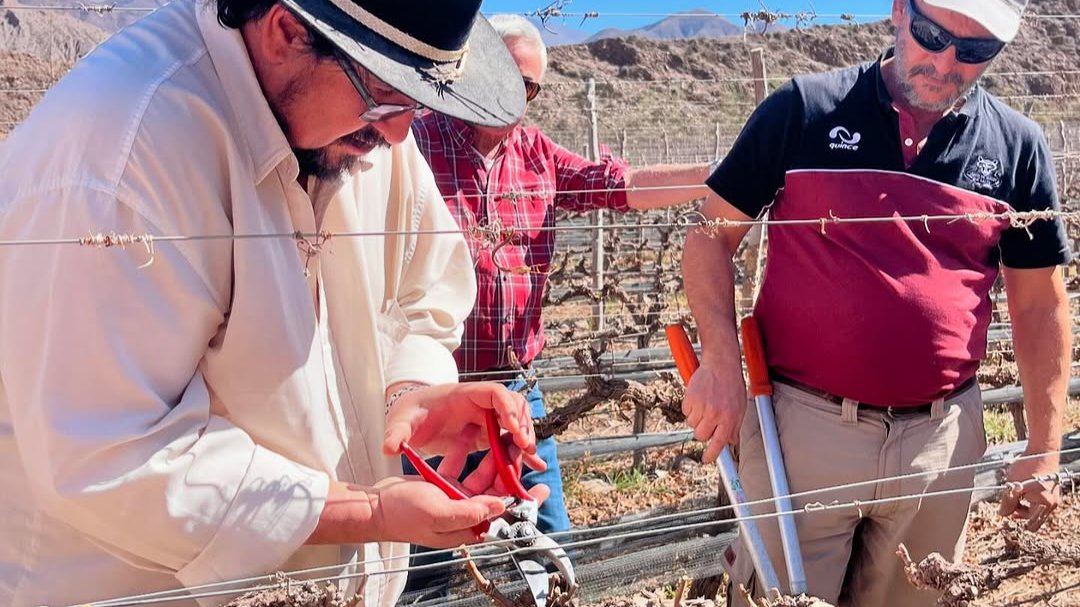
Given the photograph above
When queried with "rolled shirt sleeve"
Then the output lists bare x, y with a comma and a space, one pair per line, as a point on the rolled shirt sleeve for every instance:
100, 363
584, 185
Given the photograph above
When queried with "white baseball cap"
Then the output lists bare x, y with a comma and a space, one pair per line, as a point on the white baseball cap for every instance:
1000, 17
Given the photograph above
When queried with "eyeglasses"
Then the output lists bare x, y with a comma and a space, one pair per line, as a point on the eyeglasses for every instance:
936, 39
375, 112
532, 88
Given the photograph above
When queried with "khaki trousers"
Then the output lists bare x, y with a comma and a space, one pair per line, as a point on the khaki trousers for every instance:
849, 554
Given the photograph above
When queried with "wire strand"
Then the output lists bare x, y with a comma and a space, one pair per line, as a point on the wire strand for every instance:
1016, 218
483, 550
491, 550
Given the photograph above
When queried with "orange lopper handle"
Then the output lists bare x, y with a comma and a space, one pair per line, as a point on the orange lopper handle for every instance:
754, 349
685, 358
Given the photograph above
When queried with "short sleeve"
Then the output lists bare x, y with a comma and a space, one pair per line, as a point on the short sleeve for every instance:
752, 172
1042, 243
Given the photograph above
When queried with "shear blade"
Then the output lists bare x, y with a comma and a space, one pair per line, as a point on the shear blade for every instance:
536, 576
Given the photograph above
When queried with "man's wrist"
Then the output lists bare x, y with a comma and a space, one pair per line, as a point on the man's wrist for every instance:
399, 390
348, 517
1043, 451
722, 349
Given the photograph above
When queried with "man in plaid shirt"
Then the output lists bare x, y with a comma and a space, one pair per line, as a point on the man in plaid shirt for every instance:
504, 186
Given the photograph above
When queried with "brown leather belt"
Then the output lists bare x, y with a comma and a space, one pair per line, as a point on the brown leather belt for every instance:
922, 408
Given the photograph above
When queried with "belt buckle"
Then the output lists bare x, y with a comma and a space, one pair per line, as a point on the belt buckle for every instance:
901, 412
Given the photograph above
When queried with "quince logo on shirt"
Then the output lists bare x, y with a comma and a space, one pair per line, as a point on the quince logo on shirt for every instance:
984, 174
843, 139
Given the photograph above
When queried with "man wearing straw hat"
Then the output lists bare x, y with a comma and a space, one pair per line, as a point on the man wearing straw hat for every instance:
222, 390
874, 331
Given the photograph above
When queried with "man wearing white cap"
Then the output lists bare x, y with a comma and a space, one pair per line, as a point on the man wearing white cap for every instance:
228, 398
874, 331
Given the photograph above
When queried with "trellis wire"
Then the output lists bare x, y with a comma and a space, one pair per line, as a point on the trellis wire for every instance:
497, 550
103, 240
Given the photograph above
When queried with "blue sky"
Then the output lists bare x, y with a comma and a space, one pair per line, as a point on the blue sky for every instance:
823, 7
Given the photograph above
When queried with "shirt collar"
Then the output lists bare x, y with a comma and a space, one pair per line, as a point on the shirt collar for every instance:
966, 106
259, 129
459, 130
462, 134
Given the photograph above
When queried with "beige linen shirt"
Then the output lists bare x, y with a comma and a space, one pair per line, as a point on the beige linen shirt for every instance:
173, 417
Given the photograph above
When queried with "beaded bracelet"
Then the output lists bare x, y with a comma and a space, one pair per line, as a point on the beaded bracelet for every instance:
399, 393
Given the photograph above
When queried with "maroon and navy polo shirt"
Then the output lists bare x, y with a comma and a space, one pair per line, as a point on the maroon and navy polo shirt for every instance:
890, 313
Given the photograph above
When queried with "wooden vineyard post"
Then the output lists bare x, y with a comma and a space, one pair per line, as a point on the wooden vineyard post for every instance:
598, 215
716, 149
753, 251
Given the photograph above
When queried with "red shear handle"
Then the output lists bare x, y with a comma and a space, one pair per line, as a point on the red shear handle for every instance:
683, 351
508, 472
430, 475
754, 348
506, 469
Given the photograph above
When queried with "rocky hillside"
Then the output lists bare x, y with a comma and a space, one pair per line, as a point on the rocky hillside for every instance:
696, 23
54, 36
36, 48
114, 14
688, 86
666, 93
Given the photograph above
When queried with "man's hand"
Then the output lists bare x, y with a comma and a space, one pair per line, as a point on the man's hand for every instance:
1042, 342
448, 420
412, 510
714, 406
1032, 501
415, 511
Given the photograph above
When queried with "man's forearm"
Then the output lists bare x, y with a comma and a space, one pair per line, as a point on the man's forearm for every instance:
710, 289
677, 184
1042, 340
348, 516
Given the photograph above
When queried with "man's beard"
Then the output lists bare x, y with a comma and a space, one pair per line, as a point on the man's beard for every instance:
906, 75
323, 163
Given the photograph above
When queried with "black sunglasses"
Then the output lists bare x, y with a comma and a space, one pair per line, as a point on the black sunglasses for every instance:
936, 39
532, 88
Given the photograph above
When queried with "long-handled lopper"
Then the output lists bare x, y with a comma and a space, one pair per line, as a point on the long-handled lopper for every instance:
687, 362
761, 389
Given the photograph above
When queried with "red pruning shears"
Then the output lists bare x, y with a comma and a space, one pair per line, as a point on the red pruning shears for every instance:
516, 529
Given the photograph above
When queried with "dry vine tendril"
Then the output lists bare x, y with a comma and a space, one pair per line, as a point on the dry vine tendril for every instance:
959, 585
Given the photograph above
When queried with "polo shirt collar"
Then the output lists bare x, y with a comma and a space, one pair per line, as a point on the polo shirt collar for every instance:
968, 108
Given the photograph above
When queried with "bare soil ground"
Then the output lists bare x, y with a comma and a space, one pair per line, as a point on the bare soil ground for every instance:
598, 491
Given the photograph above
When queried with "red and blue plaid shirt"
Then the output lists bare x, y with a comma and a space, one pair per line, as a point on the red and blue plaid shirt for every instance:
507, 211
